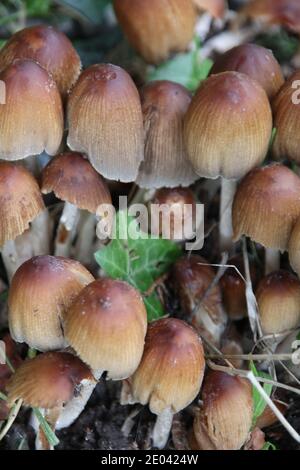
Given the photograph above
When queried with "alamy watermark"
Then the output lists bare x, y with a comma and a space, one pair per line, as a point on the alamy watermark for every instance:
296, 94
178, 222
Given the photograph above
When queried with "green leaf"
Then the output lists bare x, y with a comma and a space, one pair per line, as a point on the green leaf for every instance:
139, 261
283, 44
269, 446
273, 135
259, 404
185, 69
37, 7
49, 433
91, 10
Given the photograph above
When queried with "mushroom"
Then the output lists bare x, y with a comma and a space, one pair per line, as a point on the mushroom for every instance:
21, 204
229, 116
50, 48
56, 383
106, 326
294, 247
157, 28
200, 298
72, 179
164, 105
278, 299
224, 419
279, 12
286, 118
41, 291
31, 120
255, 61
169, 376
106, 122
266, 208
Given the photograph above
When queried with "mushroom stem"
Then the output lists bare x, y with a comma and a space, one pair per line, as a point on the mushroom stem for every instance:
11, 258
84, 244
228, 188
33, 165
66, 230
41, 228
162, 428
272, 260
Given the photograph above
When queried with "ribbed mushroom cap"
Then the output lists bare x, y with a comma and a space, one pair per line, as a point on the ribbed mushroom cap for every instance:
191, 279
32, 120
106, 326
73, 179
286, 120
215, 7
225, 418
50, 48
294, 248
42, 289
266, 206
157, 28
20, 200
171, 371
278, 299
164, 105
228, 126
106, 122
255, 61
282, 12
49, 380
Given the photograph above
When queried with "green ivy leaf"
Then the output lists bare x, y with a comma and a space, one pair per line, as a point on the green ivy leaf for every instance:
37, 8
269, 446
138, 261
259, 404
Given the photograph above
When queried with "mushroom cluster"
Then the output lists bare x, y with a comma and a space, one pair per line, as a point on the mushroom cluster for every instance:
100, 132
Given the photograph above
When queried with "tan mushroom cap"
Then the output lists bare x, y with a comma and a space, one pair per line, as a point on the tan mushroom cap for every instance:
20, 200
228, 126
106, 122
215, 7
225, 418
73, 179
42, 289
106, 326
31, 120
282, 12
157, 28
171, 371
255, 61
266, 206
50, 48
294, 248
278, 299
48, 381
286, 120
166, 164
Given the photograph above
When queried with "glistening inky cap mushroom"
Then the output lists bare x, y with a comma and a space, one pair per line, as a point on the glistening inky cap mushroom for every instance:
106, 122
50, 48
41, 291
31, 120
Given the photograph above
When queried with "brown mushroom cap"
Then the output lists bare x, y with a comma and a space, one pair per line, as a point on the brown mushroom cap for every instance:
225, 418
255, 61
282, 12
215, 7
106, 326
286, 120
50, 48
278, 299
42, 289
32, 120
20, 200
106, 122
228, 126
171, 371
266, 206
73, 179
49, 380
157, 28
166, 164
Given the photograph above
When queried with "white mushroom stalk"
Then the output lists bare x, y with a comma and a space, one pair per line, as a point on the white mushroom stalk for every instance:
66, 230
